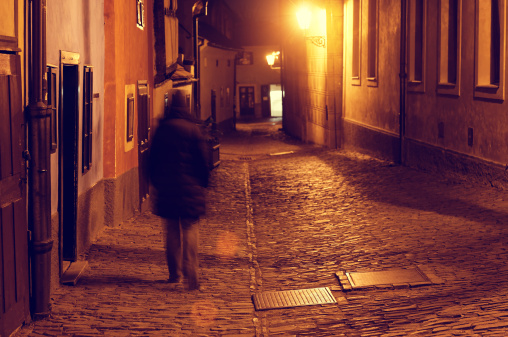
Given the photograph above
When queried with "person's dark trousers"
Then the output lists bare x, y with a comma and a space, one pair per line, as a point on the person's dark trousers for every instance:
182, 236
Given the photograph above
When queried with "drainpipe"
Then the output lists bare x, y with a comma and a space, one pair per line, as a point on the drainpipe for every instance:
234, 91
199, 9
39, 188
403, 77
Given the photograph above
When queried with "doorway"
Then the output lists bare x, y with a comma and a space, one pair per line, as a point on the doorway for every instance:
247, 101
276, 100
143, 142
68, 158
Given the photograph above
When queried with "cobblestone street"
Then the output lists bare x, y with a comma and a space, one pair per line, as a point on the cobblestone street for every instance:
284, 216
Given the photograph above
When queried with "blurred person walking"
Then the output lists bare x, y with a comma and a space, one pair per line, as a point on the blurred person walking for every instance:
178, 166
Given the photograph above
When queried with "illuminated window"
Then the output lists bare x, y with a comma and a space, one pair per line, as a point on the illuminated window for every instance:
489, 48
372, 43
449, 46
357, 40
87, 118
416, 44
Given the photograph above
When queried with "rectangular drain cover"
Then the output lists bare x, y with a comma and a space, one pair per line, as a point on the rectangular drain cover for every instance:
410, 276
292, 298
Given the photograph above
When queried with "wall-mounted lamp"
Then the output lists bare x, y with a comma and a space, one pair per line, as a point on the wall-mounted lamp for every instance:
273, 59
304, 16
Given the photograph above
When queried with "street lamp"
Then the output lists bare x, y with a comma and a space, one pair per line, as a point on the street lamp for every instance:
304, 17
273, 60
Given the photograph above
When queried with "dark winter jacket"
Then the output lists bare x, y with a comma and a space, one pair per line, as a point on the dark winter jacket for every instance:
178, 166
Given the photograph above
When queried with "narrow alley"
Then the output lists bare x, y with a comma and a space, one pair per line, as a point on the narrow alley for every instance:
283, 215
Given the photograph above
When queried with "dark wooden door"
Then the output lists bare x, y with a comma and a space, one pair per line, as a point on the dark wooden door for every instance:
213, 105
265, 101
68, 124
14, 276
247, 101
143, 141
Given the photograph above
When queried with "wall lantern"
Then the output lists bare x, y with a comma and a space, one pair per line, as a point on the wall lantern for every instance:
304, 17
273, 60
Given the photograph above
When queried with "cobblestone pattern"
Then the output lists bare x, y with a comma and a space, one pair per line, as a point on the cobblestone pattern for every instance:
320, 214
293, 222
124, 292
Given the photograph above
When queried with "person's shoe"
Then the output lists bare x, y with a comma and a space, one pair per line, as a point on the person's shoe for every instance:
193, 285
174, 279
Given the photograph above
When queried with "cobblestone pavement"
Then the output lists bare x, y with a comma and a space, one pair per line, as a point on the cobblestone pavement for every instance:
286, 216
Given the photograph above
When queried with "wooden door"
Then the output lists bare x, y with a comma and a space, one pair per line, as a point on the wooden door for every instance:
14, 275
143, 141
68, 148
247, 101
265, 101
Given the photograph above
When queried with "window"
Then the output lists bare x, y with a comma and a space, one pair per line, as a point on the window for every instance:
449, 46
357, 40
52, 104
130, 117
489, 48
416, 45
372, 43
87, 118
140, 14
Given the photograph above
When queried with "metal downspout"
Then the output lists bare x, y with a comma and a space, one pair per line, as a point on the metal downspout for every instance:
198, 9
403, 77
39, 188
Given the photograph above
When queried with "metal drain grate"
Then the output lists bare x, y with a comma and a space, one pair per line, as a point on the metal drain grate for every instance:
245, 158
292, 298
394, 277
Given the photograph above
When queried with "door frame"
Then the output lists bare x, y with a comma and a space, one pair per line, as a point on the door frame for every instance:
67, 59
253, 86
143, 89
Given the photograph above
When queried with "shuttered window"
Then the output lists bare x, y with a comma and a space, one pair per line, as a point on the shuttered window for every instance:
357, 41
52, 105
416, 44
449, 46
372, 47
490, 48
87, 118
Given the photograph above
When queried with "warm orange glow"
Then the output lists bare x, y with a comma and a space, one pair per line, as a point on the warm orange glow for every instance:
204, 313
273, 59
228, 245
303, 16
270, 59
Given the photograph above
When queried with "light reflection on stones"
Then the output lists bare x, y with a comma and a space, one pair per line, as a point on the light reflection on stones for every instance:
227, 245
204, 313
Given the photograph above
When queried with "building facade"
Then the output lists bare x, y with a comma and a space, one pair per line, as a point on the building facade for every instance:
82, 86
405, 80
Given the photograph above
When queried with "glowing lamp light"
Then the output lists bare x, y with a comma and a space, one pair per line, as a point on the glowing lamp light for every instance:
273, 59
270, 59
303, 15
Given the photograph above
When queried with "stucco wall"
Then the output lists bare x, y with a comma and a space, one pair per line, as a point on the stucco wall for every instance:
129, 60
364, 102
486, 117
217, 73
78, 26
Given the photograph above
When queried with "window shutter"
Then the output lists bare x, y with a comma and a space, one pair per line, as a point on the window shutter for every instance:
87, 118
